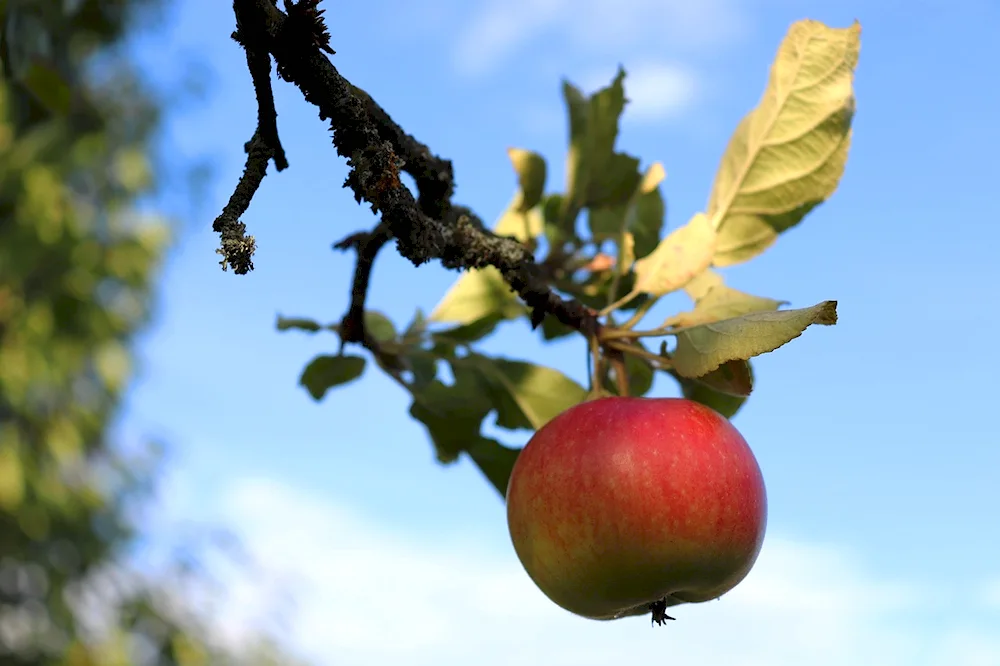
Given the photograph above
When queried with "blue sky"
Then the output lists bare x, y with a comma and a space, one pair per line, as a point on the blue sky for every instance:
876, 437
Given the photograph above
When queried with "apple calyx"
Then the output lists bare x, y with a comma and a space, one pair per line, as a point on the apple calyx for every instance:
658, 610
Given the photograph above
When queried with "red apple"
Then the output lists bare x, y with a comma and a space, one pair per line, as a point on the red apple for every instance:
622, 506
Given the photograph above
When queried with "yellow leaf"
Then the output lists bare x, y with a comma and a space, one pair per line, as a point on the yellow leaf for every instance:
680, 257
788, 154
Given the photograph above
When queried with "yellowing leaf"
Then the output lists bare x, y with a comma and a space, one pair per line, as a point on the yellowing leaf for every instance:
701, 283
702, 349
524, 226
679, 258
788, 154
530, 168
720, 302
476, 295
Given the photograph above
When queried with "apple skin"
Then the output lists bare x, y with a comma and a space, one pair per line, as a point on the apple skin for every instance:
621, 502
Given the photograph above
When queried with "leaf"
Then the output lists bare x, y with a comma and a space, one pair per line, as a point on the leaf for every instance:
379, 326
423, 365
614, 182
700, 285
721, 302
325, 372
525, 226
527, 395
681, 256
639, 215
478, 294
593, 128
647, 211
626, 250
48, 87
553, 329
298, 323
12, 481
640, 377
558, 229
452, 414
467, 333
702, 349
495, 461
787, 155
725, 404
530, 168
416, 327
731, 378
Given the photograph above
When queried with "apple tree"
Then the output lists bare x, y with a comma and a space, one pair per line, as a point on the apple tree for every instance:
589, 257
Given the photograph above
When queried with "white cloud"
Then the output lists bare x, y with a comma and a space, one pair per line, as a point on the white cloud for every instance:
498, 28
368, 594
656, 90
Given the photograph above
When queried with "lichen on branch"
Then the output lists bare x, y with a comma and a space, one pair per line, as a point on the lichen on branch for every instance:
377, 149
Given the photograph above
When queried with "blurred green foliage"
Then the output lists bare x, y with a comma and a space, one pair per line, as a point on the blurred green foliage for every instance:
77, 261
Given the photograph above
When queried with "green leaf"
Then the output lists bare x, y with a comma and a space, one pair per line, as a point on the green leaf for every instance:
558, 230
298, 323
416, 327
640, 377
530, 168
452, 414
379, 326
702, 349
647, 210
476, 295
724, 403
423, 365
526, 395
640, 213
615, 182
788, 154
325, 372
731, 378
467, 333
681, 256
553, 329
592, 166
495, 461
48, 87
714, 301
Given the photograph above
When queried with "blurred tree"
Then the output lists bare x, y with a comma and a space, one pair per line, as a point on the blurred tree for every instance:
77, 260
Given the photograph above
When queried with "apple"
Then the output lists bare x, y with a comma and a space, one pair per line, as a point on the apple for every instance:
622, 506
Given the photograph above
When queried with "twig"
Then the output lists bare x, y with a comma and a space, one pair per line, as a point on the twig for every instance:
352, 326
238, 248
376, 149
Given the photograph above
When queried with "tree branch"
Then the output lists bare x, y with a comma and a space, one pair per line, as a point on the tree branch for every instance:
377, 149
352, 327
